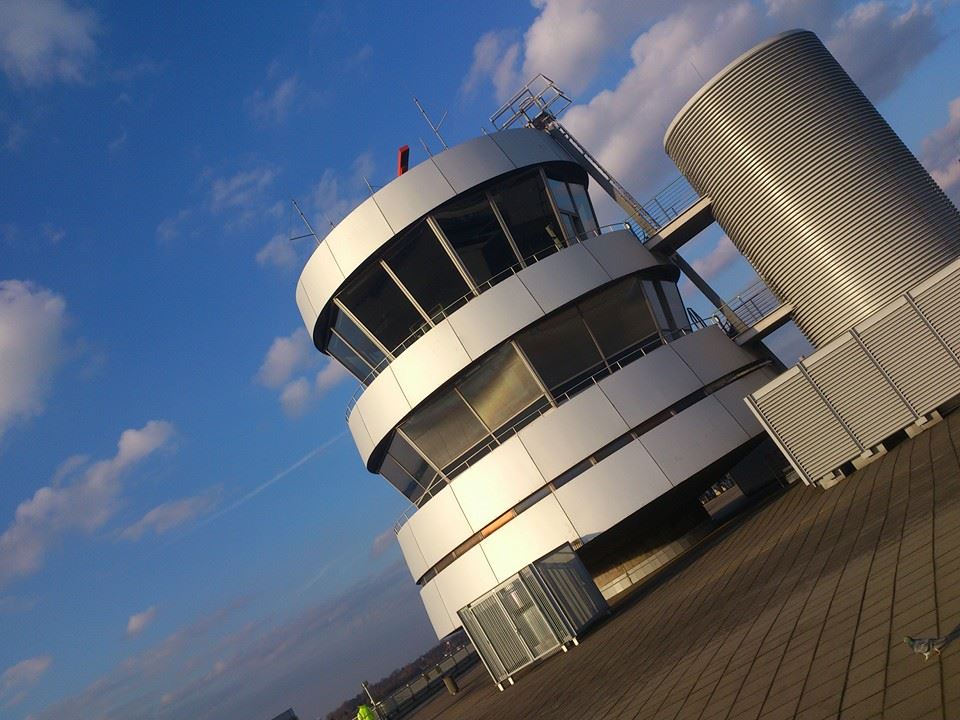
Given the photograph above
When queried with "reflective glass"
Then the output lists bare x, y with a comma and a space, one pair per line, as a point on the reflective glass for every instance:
476, 236
561, 196
348, 358
400, 479
357, 339
618, 317
444, 429
500, 388
384, 310
561, 351
674, 302
526, 209
427, 272
657, 306
409, 459
584, 209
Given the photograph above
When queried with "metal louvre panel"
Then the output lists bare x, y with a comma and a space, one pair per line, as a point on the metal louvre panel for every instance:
550, 613
939, 305
528, 618
509, 647
798, 417
914, 358
858, 392
812, 185
480, 641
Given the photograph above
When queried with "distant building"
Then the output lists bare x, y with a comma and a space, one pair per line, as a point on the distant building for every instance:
287, 715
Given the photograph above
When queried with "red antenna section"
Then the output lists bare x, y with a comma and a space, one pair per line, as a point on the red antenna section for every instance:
403, 160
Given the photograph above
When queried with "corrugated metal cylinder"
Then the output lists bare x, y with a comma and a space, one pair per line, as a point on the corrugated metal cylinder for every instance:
812, 185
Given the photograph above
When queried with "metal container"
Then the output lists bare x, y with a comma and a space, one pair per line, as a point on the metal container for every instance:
812, 185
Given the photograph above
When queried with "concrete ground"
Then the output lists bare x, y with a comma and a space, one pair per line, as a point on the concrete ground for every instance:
797, 610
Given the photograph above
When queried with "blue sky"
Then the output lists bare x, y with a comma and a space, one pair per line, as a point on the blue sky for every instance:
185, 528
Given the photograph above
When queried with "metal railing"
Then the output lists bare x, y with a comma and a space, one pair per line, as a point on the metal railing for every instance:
750, 305
670, 202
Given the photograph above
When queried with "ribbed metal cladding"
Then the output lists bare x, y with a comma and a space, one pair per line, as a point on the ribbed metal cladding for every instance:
812, 185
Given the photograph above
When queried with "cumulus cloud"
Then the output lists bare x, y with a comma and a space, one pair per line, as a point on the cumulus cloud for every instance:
283, 367
295, 397
286, 356
495, 58
331, 374
273, 105
382, 542
169, 515
941, 153
242, 190
139, 622
17, 680
32, 322
278, 252
83, 505
45, 40
718, 259
170, 227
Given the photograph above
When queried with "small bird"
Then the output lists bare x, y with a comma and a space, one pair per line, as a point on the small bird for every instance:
926, 646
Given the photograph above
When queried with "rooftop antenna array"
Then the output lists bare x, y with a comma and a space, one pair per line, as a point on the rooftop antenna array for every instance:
311, 232
434, 128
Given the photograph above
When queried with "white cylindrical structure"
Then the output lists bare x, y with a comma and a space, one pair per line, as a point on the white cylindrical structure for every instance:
812, 185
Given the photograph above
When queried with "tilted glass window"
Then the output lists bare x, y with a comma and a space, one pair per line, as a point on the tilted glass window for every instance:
401, 479
678, 310
529, 216
619, 318
561, 196
501, 388
561, 351
427, 272
346, 356
356, 339
377, 302
476, 236
403, 462
584, 209
444, 429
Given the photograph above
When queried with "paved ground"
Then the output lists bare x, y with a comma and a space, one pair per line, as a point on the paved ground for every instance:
797, 611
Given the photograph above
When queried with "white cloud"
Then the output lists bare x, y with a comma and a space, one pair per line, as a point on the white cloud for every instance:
383, 542
45, 40
32, 321
331, 374
286, 356
169, 515
139, 622
117, 143
495, 57
240, 191
17, 679
278, 252
171, 227
83, 505
273, 106
295, 397
718, 259
941, 153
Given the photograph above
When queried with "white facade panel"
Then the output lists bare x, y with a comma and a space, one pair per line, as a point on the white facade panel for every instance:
525, 146
710, 354
412, 195
563, 436
411, 552
439, 526
649, 384
611, 490
472, 163
485, 321
619, 253
361, 438
357, 237
429, 362
732, 398
496, 483
692, 440
381, 406
307, 311
528, 537
320, 279
557, 279
436, 610
464, 580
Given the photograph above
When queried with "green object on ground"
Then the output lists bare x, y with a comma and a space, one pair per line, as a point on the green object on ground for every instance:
365, 712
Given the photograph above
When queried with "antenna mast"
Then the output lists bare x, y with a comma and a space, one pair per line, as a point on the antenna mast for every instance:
435, 128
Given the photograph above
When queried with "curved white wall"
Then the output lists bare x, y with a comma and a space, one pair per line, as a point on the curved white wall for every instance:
484, 323
426, 186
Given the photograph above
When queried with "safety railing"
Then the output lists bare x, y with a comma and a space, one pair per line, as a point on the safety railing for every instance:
670, 202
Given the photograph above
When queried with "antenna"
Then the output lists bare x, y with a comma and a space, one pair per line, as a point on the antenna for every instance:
435, 128
307, 223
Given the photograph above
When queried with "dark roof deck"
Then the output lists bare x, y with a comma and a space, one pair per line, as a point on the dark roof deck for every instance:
799, 610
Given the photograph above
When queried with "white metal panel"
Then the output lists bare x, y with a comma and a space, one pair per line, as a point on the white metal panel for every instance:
358, 236
429, 362
382, 405
439, 526
526, 146
411, 552
649, 384
436, 610
464, 580
503, 310
307, 311
620, 253
528, 537
711, 354
496, 483
611, 490
732, 397
556, 279
361, 438
472, 163
692, 440
412, 195
563, 436
320, 278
